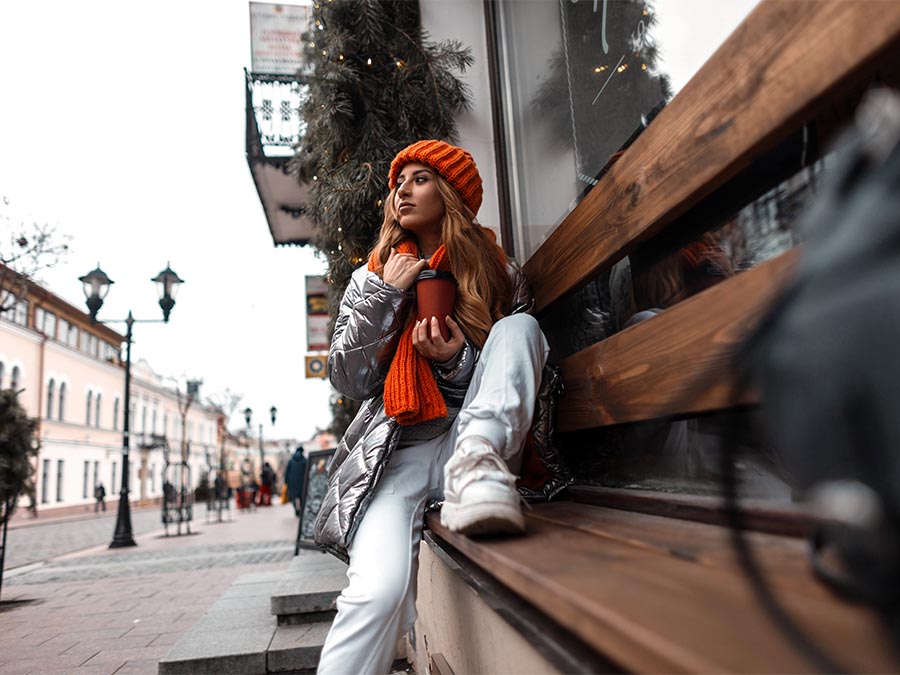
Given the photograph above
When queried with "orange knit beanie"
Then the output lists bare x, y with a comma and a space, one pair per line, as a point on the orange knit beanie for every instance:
454, 164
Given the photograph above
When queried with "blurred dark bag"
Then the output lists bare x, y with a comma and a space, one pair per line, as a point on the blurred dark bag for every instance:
827, 360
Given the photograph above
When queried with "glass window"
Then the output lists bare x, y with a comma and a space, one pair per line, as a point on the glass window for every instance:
60, 465
39, 316
2, 372
51, 394
45, 482
20, 314
112, 479
62, 401
85, 479
97, 408
116, 414
72, 339
96, 474
83, 341
89, 406
581, 79
50, 324
14, 378
63, 333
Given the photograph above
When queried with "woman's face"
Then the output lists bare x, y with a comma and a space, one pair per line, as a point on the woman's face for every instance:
417, 200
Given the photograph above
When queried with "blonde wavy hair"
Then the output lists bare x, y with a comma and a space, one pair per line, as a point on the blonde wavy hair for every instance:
485, 290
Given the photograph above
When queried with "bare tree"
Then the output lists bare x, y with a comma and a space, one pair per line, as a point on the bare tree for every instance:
25, 250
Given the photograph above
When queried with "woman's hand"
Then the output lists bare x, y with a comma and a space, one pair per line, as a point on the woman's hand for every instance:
401, 269
429, 342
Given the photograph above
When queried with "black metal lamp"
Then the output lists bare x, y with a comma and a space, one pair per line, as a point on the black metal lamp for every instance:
167, 283
248, 414
273, 411
96, 286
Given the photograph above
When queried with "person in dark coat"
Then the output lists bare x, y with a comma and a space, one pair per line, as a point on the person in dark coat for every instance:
293, 477
100, 497
267, 480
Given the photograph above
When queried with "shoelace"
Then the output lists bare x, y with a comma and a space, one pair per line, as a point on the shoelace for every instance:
470, 466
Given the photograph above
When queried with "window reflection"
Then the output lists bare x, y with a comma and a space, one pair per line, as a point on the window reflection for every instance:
582, 79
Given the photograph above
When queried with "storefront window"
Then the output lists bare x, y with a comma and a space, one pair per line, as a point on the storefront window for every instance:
583, 78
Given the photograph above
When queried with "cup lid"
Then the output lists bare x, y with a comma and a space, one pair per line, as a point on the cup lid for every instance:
434, 274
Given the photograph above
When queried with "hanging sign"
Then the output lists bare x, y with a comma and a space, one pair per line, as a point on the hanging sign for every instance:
275, 37
315, 365
316, 314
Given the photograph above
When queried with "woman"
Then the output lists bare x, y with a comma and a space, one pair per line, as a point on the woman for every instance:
443, 419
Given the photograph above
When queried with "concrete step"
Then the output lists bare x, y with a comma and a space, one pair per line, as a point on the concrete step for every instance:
241, 634
309, 588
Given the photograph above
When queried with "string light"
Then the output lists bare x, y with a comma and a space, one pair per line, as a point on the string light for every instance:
645, 13
643, 66
341, 57
316, 177
622, 68
369, 61
379, 203
400, 63
324, 52
600, 69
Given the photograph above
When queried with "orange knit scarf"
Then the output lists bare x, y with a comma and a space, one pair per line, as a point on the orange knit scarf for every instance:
411, 393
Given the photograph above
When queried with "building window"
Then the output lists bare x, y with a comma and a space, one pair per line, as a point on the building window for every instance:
144, 420
50, 325
112, 480
62, 401
39, 315
63, 333
51, 395
85, 479
165, 429
96, 474
2, 372
153, 430
59, 479
20, 315
14, 378
45, 482
116, 414
89, 407
153, 478
72, 339
97, 409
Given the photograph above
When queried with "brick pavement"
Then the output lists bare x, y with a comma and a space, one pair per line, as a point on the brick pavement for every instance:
119, 611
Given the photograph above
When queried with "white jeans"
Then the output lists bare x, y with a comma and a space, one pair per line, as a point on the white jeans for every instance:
379, 604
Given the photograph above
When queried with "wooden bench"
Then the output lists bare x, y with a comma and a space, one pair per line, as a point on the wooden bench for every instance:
665, 594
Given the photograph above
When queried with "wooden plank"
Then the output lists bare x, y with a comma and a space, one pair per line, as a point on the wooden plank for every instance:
785, 561
438, 665
759, 515
657, 613
678, 362
759, 85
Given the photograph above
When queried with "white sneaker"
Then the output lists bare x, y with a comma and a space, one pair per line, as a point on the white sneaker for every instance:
480, 494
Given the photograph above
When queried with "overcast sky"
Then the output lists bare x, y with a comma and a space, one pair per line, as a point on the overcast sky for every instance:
122, 124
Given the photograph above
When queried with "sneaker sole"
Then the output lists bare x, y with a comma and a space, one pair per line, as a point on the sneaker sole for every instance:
484, 518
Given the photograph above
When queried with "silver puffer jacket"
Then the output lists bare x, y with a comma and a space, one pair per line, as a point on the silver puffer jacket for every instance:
371, 319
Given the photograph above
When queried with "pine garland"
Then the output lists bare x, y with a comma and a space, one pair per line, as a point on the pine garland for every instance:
377, 85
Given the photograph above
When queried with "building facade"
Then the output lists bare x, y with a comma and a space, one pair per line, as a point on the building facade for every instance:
71, 377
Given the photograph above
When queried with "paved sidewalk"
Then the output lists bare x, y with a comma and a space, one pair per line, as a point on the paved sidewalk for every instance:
119, 611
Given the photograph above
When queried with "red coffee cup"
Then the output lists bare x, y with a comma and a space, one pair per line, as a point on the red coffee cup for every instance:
435, 296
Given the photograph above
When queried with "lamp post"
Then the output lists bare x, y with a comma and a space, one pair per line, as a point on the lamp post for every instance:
248, 414
96, 286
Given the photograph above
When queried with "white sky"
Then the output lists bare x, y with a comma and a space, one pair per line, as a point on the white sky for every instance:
122, 124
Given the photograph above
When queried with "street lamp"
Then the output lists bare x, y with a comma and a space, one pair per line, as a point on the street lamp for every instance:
248, 414
96, 286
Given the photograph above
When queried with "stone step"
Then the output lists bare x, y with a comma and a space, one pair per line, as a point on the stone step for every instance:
240, 633
234, 634
308, 589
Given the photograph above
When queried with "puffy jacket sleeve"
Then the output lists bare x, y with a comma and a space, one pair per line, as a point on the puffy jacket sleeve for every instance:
371, 318
523, 297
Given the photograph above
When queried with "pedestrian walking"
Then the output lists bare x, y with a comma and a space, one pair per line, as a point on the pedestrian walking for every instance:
267, 479
293, 477
449, 398
99, 498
